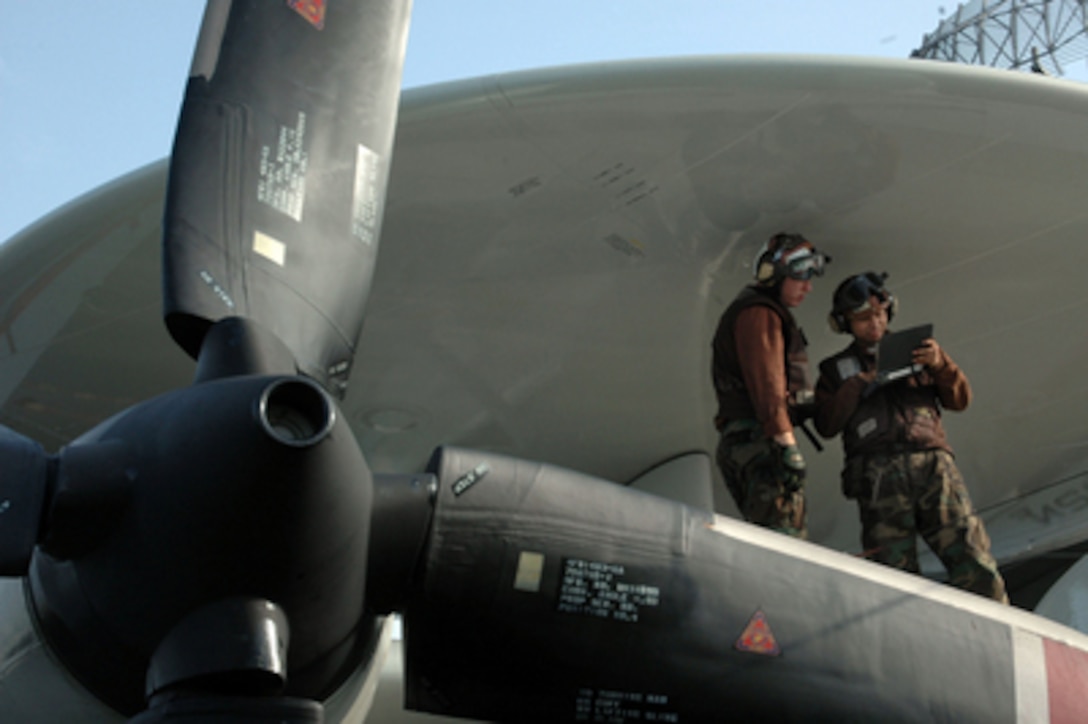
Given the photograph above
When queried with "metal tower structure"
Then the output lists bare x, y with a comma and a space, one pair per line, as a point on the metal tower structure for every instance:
1045, 36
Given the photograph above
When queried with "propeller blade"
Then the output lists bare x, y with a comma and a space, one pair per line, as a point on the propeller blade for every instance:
203, 555
278, 176
547, 595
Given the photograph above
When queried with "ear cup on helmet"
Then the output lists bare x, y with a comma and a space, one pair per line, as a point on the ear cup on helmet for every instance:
765, 263
838, 323
765, 270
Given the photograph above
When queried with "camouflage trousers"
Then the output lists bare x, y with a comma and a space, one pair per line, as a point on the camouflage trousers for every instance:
745, 459
904, 495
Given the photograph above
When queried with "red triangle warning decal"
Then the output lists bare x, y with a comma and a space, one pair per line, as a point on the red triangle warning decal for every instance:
312, 10
757, 637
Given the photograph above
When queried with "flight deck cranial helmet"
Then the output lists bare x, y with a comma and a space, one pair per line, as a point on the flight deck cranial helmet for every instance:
788, 256
853, 295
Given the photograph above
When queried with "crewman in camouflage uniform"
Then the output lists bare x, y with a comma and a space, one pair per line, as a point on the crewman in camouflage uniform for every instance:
899, 464
763, 386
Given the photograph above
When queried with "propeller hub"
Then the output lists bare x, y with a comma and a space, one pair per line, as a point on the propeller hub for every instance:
248, 487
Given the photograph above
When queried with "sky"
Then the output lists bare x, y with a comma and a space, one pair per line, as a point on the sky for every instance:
91, 90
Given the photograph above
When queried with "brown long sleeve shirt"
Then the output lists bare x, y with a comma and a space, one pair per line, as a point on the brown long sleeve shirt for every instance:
761, 350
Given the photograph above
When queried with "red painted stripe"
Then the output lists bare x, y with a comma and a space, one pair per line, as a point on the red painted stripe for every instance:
1067, 683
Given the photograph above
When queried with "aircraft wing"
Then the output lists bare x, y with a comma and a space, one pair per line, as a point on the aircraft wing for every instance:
572, 236
561, 243
558, 246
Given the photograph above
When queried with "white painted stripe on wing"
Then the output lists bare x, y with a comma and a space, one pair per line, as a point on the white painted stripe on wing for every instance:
1029, 672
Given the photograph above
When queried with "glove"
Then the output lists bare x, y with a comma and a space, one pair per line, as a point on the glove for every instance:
790, 467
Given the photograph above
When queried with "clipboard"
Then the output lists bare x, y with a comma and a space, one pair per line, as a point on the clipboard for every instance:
893, 357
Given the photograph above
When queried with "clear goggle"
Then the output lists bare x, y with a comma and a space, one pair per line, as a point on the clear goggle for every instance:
805, 264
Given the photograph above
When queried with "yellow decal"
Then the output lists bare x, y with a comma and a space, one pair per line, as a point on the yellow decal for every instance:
530, 570
272, 249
